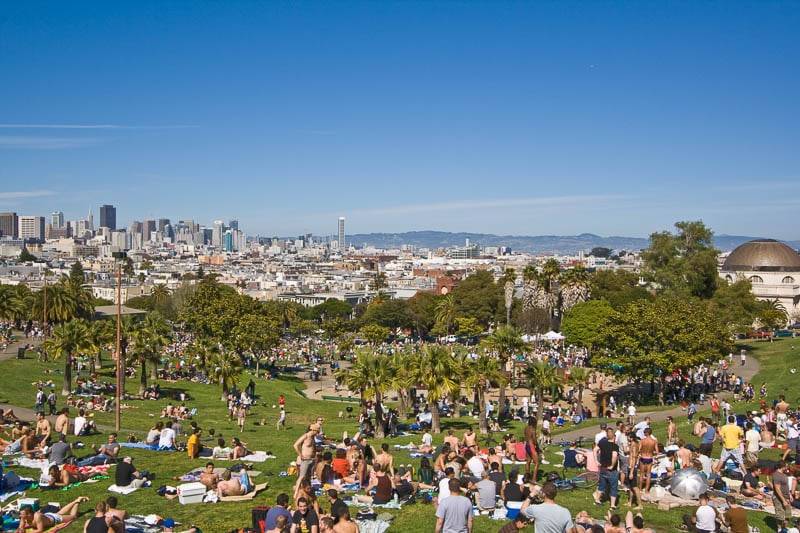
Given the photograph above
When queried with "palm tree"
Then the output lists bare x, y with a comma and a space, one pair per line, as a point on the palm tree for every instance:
81, 295
480, 375
401, 379
579, 377
505, 342
433, 369
574, 284
68, 340
225, 368
160, 293
147, 341
12, 306
61, 305
541, 377
445, 313
104, 335
203, 350
373, 374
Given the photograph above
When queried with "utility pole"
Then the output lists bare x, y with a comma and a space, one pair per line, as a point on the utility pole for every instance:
118, 394
44, 307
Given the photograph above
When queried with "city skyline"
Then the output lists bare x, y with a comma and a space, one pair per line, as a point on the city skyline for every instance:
523, 119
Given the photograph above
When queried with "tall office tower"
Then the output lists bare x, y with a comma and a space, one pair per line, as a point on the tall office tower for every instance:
341, 233
217, 232
227, 241
108, 217
162, 223
233, 224
90, 221
31, 227
57, 219
9, 225
119, 239
148, 227
136, 228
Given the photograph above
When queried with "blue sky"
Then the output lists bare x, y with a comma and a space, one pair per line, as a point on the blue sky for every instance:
504, 117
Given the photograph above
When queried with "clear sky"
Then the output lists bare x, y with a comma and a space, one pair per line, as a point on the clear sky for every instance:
504, 117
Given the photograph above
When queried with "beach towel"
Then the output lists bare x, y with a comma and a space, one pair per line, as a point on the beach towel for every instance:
23, 485
140, 445
255, 457
138, 524
122, 490
244, 497
38, 464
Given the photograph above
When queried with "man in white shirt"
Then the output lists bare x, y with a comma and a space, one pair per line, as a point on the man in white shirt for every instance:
474, 464
705, 518
600, 435
641, 426
167, 439
444, 483
80, 423
752, 437
631, 413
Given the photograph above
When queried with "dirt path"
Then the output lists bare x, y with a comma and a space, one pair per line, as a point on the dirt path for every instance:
747, 371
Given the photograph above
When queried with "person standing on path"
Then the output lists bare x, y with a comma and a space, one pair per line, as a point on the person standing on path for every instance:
304, 446
781, 495
281, 419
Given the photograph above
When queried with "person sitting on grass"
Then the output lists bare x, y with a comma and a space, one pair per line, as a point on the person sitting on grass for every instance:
101, 522
107, 453
209, 478
383, 486
282, 525
239, 449
39, 522
518, 524
29, 446
750, 484
306, 491
126, 475
221, 451
113, 510
343, 523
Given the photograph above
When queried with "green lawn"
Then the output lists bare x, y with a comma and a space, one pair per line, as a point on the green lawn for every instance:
776, 360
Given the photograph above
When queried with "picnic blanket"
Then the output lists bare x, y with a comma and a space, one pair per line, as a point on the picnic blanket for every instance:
141, 446
255, 457
194, 475
23, 485
122, 490
244, 497
372, 526
138, 524
27, 462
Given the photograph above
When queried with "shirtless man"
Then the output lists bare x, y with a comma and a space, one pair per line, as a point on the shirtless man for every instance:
648, 448
672, 431
684, 455
62, 422
43, 428
531, 451
209, 478
29, 445
343, 522
229, 485
113, 510
470, 439
452, 440
385, 459
304, 446
38, 522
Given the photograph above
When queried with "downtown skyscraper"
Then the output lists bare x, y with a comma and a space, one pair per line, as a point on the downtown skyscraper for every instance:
108, 217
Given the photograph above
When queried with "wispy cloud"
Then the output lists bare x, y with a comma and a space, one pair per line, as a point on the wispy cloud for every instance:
92, 127
17, 195
25, 142
501, 203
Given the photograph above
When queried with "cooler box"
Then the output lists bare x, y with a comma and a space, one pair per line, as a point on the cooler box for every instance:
191, 493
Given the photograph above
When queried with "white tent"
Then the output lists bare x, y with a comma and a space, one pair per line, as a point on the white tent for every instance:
529, 338
553, 336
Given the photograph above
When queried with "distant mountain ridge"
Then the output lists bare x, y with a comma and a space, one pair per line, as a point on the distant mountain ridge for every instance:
561, 244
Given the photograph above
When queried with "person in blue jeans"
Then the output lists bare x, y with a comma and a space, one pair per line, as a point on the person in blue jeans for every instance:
107, 453
607, 454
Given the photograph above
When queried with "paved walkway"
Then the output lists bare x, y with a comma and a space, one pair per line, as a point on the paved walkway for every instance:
747, 371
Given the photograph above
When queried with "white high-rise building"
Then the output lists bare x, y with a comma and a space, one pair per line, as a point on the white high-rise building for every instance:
90, 221
216, 234
31, 227
341, 234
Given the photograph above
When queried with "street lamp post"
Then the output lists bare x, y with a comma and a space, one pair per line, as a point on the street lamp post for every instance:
118, 359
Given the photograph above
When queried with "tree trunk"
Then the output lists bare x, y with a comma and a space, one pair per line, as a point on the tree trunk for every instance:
379, 432
436, 426
456, 400
224, 389
501, 394
661, 385
539, 404
98, 363
483, 423
143, 378
257, 366
67, 387
580, 400
402, 406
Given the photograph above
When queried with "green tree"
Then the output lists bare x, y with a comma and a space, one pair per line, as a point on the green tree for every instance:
225, 368
600, 251
445, 313
505, 343
617, 287
330, 309
582, 323
373, 333
468, 327
160, 294
579, 378
482, 374
684, 262
25, 256
104, 336
772, 314
735, 305
60, 304
373, 374
148, 340
422, 310
257, 334
541, 377
202, 351
390, 313
77, 277
67, 342
479, 297
653, 339
433, 369
12, 305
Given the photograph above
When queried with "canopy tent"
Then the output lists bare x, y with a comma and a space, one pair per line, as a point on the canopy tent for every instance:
553, 336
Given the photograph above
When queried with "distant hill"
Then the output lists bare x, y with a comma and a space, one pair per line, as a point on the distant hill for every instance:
563, 244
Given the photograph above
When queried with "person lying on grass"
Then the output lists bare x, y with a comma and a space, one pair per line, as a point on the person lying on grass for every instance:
39, 522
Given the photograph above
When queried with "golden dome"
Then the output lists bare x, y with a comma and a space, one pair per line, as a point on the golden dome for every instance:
766, 255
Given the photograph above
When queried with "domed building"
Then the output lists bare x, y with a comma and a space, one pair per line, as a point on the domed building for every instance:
773, 269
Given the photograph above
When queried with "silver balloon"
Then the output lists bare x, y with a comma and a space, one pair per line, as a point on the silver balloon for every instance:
688, 483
